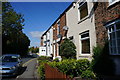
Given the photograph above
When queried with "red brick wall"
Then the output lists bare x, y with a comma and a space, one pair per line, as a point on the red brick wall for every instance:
104, 14
62, 24
55, 31
55, 37
62, 32
41, 41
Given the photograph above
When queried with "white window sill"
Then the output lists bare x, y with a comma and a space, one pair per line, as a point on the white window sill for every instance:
85, 54
110, 4
58, 40
54, 41
81, 20
63, 38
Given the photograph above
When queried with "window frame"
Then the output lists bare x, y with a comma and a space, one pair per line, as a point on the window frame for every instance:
80, 4
110, 32
58, 27
112, 2
82, 39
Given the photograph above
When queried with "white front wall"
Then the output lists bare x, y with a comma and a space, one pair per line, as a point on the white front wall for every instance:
44, 45
44, 39
47, 46
51, 41
42, 51
54, 51
48, 42
75, 28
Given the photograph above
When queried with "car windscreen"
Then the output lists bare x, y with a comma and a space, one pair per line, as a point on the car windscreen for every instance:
9, 59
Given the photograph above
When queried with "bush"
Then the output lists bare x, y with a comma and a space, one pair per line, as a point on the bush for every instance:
68, 49
44, 58
82, 65
56, 60
71, 67
102, 63
41, 69
87, 74
68, 67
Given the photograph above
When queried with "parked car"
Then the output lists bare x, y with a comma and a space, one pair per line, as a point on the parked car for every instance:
10, 65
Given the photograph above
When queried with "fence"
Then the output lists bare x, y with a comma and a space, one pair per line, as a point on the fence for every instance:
54, 74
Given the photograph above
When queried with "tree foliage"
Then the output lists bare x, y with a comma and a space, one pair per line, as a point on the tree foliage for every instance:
34, 49
13, 39
68, 49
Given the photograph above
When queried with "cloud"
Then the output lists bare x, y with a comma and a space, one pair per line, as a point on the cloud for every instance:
35, 44
36, 34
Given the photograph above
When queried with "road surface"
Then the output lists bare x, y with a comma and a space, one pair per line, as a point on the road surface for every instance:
30, 70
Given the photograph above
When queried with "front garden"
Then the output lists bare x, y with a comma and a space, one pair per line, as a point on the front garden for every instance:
101, 64
73, 68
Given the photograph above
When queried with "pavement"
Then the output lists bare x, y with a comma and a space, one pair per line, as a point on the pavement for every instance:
30, 70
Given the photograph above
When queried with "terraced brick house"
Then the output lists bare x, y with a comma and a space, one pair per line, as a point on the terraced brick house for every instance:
58, 34
107, 22
87, 24
77, 24
54, 36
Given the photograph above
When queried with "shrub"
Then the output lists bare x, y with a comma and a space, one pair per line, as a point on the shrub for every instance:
82, 65
102, 63
41, 71
68, 49
68, 67
44, 58
71, 67
87, 74
56, 60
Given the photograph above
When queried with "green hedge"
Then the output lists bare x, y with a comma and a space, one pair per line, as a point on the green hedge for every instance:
44, 59
41, 61
88, 74
71, 67
41, 71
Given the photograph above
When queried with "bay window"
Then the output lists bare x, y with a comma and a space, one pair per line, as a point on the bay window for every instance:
114, 37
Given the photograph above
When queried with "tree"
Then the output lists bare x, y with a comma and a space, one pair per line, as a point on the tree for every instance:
68, 49
13, 39
34, 49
